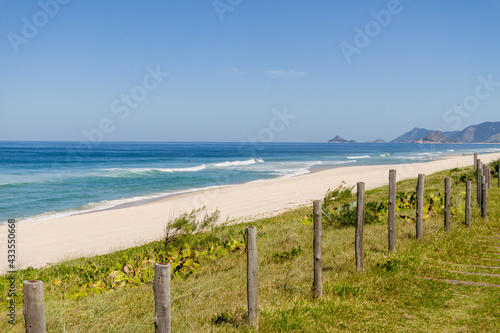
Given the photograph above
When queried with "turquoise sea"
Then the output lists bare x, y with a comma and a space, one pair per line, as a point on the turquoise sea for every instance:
41, 180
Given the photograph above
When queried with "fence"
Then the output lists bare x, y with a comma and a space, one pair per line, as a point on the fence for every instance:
34, 311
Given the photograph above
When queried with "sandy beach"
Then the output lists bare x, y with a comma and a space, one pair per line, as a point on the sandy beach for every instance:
43, 242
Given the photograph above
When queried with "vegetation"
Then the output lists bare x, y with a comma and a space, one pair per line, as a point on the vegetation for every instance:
398, 291
463, 176
494, 167
189, 223
340, 208
287, 255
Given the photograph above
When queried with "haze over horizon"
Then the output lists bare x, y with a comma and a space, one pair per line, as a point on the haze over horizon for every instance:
216, 71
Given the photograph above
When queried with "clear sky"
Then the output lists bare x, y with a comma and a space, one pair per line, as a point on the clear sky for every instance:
233, 70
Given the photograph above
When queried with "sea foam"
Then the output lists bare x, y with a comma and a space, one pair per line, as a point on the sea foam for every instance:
357, 157
187, 169
238, 163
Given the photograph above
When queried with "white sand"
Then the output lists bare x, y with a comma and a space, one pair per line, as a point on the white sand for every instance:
101, 232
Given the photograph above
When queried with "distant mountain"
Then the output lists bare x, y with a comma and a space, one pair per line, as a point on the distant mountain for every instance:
494, 139
436, 137
411, 136
338, 139
479, 133
485, 132
451, 134
488, 132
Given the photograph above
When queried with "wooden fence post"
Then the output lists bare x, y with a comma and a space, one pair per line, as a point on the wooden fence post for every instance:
360, 220
484, 200
161, 287
488, 176
317, 246
468, 188
485, 174
33, 307
447, 201
392, 211
252, 278
419, 225
475, 161
479, 181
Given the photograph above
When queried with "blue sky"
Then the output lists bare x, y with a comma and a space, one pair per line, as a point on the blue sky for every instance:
334, 67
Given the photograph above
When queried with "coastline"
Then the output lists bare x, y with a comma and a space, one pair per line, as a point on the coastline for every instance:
103, 231
130, 202
105, 183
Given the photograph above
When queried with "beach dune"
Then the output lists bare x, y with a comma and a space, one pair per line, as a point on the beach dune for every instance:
42, 242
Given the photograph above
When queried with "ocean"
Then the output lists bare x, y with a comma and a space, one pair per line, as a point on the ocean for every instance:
42, 180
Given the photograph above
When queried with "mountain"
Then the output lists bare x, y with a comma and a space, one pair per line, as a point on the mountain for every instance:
488, 132
436, 137
479, 133
494, 139
485, 132
451, 134
411, 136
338, 139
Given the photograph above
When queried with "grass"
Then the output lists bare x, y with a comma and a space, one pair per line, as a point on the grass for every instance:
390, 296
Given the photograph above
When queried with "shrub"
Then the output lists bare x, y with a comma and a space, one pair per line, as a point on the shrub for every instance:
340, 210
464, 177
494, 167
286, 255
346, 215
188, 223
405, 201
340, 195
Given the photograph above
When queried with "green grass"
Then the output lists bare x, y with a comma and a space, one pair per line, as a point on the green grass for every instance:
390, 296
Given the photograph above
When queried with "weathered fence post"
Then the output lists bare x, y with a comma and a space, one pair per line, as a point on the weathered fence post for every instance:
468, 188
475, 161
488, 176
392, 211
447, 201
360, 220
252, 277
33, 307
485, 174
317, 247
419, 225
484, 200
479, 181
161, 287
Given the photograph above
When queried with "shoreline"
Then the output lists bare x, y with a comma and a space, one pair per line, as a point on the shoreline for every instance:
83, 204
136, 202
98, 232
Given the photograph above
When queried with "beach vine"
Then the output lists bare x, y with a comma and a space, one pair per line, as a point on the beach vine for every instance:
186, 247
